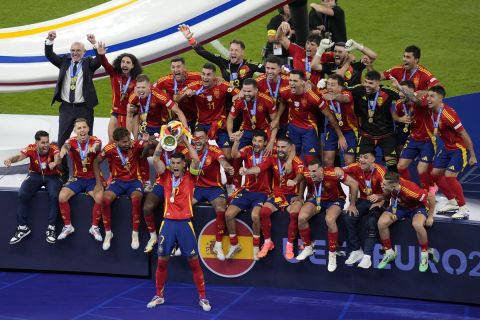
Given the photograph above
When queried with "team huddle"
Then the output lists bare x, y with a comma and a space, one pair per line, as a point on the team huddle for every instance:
289, 138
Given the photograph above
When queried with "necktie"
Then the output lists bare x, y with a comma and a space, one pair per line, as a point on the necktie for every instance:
72, 91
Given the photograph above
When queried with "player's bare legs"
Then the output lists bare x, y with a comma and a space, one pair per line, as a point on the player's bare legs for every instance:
331, 217
107, 199
219, 204
266, 224
293, 211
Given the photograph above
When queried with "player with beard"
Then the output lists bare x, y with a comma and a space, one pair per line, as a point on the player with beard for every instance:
43, 171
82, 150
287, 194
123, 74
325, 194
176, 81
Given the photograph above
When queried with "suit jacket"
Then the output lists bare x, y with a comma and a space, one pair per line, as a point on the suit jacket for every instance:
89, 66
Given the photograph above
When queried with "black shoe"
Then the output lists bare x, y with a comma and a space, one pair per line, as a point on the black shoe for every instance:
22, 232
51, 236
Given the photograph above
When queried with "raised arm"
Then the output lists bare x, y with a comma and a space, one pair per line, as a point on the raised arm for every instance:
282, 32
352, 45
95, 63
180, 115
201, 51
49, 54
102, 50
157, 160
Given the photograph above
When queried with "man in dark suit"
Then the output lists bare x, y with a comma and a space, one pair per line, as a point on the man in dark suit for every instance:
74, 89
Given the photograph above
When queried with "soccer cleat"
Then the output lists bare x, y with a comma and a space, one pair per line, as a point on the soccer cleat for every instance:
366, 262
107, 241
150, 244
255, 253
22, 232
95, 232
388, 257
354, 257
423, 261
66, 231
289, 251
51, 236
332, 261
218, 250
306, 252
233, 250
450, 205
135, 243
267, 246
156, 300
462, 213
432, 256
205, 304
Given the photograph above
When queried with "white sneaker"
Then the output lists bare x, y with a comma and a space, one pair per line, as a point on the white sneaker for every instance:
156, 300
205, 304
462, 213
230, 189
256, 250
218, 250
151, 243
306, 252
107, 240
233, 250
366, 262
354, 257
450, 205
332, 261
135, 244
95, 232
66, 231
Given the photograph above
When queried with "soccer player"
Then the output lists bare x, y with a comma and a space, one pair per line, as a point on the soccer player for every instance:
325, 194
411, 70
123, 160
43, 171
340, 103
176, 81
123, 74
372, 106
82, 149
177, 225
252, 194
302, 127
406, 200
369, 176
287, 192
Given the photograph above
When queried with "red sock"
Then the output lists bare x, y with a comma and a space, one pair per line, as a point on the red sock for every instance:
387, 244
256, 241
424, 180
424, 246
404, 173
96, 213
293, 227
332, 241
198, 277
443, 186
150, 221
136, 212
457, 190
161, 276
220, 221
106, 214
65, 212
233, 240
305, 235
265, 222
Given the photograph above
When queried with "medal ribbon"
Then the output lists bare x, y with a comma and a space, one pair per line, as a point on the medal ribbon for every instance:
123, 159
234, 76
255, 161
336, 107
412, 73
124, 88
372, 105
79, 68
144, 109
204, 158
200, 91
437, 121
277, 88
308, 67
318, 193
82, 152
368, 183
253, 112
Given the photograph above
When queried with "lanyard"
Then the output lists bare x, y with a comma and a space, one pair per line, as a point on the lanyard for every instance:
175, 182
79, 68
336, 107
200, 91
124, 88
42, 165
147, 106
372, 105
280, 169
175, 85
308, 67
318, 193
277, 89
405, 110
255, 161
234, 75
368, 183
412, 73
395, 203
204, 158
167, 158
437, 121
82, 152
123, 159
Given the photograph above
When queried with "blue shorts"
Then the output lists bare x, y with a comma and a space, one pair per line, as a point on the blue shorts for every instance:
209, 194
305, 140
246, 139
247, 200
327, 204
180, 232
158, 191
125, 187
423, 149
152, 130
331, 141
403, 213
452, 160
80, 185
281, 201
223, 140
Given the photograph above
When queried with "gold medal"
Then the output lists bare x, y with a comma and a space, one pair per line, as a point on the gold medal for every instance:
230, 89
339, 116
72, 87
435, 132
319, 208
172, 199
84, 170
368, 191
122, 96
340, 123
370, 120
370, 113
143, 127
253, 126
405, 129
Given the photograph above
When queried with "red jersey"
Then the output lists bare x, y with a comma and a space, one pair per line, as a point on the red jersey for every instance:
449, 128
331, 188
165, 156
273, 90
421, 128
299, 55
344, 112
255, 113
122, 87
410, 196
74, 153
129, 169
181, 208
302, 107
280, 179
261, 182
210, 167
39, 163
157, 113
372, 178
172, 87
421, 77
